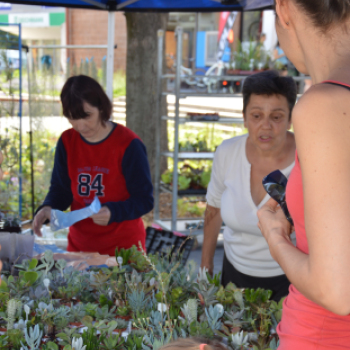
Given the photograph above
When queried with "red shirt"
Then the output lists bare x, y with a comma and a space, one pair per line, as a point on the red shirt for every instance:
306, 325
116, 170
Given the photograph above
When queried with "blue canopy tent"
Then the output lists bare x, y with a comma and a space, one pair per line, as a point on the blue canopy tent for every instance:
156, 5
148, 5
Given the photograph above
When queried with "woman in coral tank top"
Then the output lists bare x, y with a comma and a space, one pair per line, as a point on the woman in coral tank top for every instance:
315, 35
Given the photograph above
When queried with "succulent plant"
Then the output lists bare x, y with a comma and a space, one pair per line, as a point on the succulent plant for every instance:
33, 338
214, 313
104, 313
13, 308
77, 344
155, 342
206, 293
38, 293
137, 301
239, 341
190, 310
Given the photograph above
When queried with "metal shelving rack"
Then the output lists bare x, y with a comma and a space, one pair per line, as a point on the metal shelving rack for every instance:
175, 154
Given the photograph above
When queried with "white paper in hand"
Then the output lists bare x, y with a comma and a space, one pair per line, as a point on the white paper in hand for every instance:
60, 220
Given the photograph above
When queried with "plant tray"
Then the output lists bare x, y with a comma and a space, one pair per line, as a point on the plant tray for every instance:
162, 241
193, 191
189, 191
11, 229
203, 116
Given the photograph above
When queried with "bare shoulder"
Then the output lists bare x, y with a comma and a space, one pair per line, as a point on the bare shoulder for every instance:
321, 121
323, 108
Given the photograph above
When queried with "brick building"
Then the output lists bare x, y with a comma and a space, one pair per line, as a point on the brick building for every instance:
89, 27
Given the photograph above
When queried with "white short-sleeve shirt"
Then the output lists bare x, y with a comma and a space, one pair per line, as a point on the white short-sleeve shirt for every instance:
229, 189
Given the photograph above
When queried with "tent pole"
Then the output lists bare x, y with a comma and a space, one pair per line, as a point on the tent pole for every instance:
178, 34
20, 119
160, 34
110, 55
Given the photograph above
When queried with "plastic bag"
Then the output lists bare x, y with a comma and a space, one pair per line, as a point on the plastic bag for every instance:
60, 220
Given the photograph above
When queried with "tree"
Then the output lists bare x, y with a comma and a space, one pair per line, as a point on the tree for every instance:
141, 80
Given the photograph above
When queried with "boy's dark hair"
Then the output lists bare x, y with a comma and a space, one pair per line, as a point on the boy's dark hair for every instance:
269, 83
82, 88
324, 13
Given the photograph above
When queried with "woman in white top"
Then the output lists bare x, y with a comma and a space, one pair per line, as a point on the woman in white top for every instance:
235, 192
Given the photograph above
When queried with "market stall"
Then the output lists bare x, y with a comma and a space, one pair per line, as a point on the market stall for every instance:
137, 301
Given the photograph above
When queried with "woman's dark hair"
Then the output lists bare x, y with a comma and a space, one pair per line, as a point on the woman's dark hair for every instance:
269, 83
324, 13
82, 88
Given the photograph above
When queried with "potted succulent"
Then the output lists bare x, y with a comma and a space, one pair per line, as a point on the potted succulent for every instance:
164, 299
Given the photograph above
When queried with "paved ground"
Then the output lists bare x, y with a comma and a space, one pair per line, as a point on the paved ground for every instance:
218, 257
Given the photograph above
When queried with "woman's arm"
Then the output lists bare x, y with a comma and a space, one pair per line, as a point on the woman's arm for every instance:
322, 128
60, 195
212, 219
139, 185
212, 226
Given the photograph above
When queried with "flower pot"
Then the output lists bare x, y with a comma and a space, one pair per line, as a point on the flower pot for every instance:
126, 318
75, 324
119, 330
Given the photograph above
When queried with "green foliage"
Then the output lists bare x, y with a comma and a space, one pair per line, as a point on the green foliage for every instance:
216, 279
123, 311
30, 277
91, 340
165, 299
124, 253
119, 84
201, 329
3, 342
15, 338
167, 177
205, 178
183, 182
134, 342
113, 342
137, 301
50, 346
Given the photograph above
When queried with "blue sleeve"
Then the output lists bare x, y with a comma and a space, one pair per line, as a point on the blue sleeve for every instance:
60, 195
137, 175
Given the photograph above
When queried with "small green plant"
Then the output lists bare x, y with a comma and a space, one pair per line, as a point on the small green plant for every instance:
124, 253
137, 301
113, 342
123, 311
90, 339
32, 337
134, 342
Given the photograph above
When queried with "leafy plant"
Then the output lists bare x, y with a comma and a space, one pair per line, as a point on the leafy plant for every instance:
90, 339
113, 342
134, 342
32, 337
104, 313
137, 301
183, 182
123, 311
214, 314
190, 310
15, 337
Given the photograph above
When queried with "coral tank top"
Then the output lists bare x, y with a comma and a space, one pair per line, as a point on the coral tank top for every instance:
306, 325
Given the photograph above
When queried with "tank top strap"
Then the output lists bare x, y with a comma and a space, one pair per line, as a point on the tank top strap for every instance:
338, 83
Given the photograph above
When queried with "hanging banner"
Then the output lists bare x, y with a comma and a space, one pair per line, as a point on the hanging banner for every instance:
40, 19
227, 19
